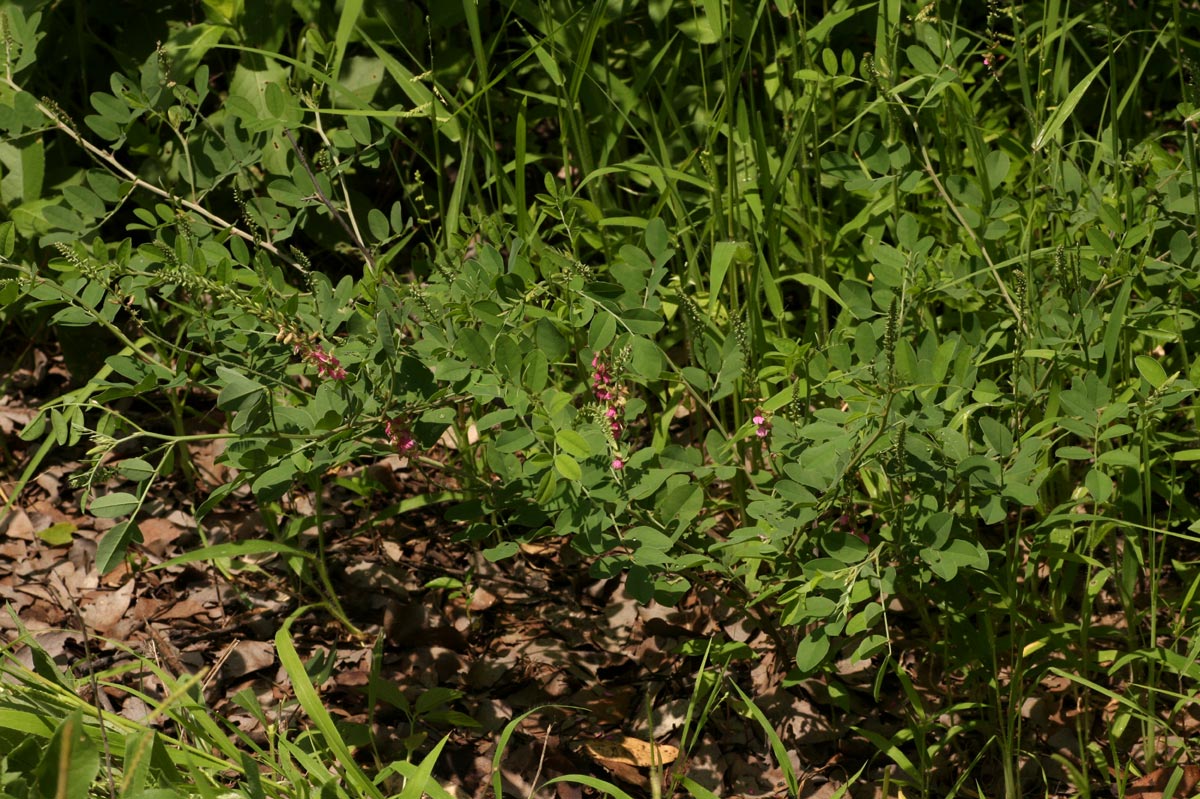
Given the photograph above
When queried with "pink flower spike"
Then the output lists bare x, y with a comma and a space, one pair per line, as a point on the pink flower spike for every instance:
762, 432
759, 419
618, 464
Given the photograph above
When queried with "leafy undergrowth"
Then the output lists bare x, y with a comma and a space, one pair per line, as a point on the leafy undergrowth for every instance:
182, 640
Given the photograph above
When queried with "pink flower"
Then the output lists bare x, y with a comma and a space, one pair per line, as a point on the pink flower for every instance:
618, 464
762, 426
399, 436
847, 523
328, 366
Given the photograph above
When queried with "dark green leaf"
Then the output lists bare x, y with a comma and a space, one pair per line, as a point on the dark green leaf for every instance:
114, 544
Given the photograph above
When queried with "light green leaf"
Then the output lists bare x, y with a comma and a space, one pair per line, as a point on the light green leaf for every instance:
8, 239
779, 749
377, 223
237, 390
111, 108
573, 444
234, 549
84, 201
110, 506
250, 85
568, 467
58, 535
606, 788
418, 784
503, 550
1152, 370
24, 169
275, 99
274, 482
1073, 453
418, 93
721, 259
33, 170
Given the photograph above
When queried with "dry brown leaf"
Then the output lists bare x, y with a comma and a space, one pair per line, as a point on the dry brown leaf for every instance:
158, 534
10, 416
187, 609
247, 657
17, 525
631, 752
14, 550
104, 609
481, 600
1152, 785
543, 546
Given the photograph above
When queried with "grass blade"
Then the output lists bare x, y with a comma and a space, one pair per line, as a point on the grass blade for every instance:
306, 695
592, 782
777, 745
416, 784
350, 11
1061, 114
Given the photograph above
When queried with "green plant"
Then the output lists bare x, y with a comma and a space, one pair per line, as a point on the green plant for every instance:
878, 318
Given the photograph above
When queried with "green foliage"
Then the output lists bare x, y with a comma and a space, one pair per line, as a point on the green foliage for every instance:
714, 290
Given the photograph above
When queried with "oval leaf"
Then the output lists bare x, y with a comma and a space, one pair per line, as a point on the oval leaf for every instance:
111, 506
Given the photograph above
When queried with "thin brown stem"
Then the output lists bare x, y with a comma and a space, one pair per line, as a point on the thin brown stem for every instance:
110, 160
352, 232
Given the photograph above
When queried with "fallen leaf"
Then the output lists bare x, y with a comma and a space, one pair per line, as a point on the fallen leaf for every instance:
104, 609
17, 525
481, 600
1152, 785
544, 546
247, 657
158, 535
631, 751
187, 609
58, 535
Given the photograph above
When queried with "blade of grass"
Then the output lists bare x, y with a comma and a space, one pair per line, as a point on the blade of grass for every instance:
306, 695
777, 746
502, 744
1060, 115
418, 783
603, 786
351, 9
